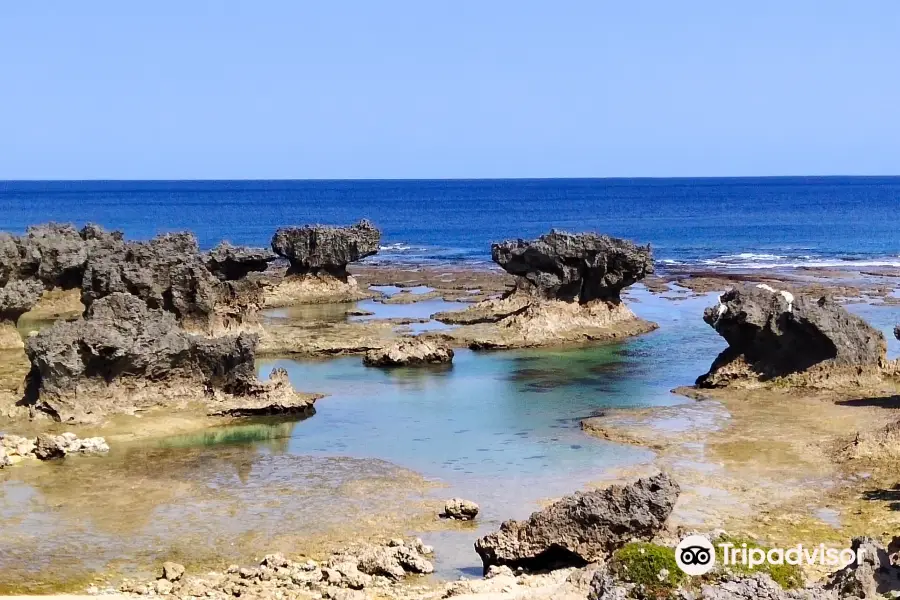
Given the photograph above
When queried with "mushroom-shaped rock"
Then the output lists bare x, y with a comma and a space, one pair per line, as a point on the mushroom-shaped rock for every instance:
460, 509
230, 263
773, 333
574, 267
320, 248
411, 352
582, 528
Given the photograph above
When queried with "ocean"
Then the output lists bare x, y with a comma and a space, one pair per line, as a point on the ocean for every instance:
716, 223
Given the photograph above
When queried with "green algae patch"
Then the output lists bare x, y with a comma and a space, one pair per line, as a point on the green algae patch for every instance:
650, 566
785, 575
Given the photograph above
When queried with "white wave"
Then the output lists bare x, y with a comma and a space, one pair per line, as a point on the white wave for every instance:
400, 247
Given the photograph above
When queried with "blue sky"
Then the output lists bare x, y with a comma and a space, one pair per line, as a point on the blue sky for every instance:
392, 89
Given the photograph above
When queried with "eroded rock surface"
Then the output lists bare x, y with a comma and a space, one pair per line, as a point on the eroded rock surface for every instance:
409, 352
772, 333
123, 356
318, 257
316, 248
460, 509
582, 528
230, 263
371, 567
574, 267
47, 446
567, 290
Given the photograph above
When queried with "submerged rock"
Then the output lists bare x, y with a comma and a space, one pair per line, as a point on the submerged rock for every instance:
582, 528
123, 356
574, 267
772, 334
319, 248
460, 509
410, 352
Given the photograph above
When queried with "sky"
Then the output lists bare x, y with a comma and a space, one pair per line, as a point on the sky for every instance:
293, 89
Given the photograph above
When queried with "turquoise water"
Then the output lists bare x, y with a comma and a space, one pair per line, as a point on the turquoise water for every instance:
502, 428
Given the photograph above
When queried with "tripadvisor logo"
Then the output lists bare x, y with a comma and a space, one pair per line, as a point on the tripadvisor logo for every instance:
696, 555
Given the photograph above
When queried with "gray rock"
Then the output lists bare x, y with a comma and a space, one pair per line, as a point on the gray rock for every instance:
872, 576
167, 273
772, 333
574, 267
230, 263
582, 528
412, 352
18, 297
5, 461
91, 366
330, 249
759, 586
460, 509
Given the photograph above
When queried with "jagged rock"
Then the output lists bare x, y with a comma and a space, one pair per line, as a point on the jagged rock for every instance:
18, 297
172, 571
48, 447
330, 249
230, 263
871, 576
759, 586
123, 356
567, 291
166, 273
459, 509
582, 528
772, 333
574, 267
5, 461
16, 445
409, 353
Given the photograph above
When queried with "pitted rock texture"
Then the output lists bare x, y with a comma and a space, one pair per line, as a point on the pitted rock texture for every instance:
574, 267
123, 356
772, 333
230, 263
166, 273
412, 352
582, 528
320, 248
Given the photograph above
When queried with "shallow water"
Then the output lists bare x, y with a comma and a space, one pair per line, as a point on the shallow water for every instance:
500, 428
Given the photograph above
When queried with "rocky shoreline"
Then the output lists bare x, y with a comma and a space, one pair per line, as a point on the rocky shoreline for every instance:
162, 326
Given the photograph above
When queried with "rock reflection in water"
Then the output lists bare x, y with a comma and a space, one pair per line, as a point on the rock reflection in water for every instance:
214, 498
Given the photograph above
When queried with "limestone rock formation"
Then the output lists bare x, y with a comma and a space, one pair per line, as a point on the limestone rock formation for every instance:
582, 528
567, 290
411, 352
341, 576
330, 249
318, 257
574, 267
124, 356
772, 334
230, 263
167, 272
460, 509
47, 446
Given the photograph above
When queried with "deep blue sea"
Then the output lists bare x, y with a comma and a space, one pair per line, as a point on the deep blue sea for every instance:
715, 222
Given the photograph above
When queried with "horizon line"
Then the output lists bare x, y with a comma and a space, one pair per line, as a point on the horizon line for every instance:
410, 179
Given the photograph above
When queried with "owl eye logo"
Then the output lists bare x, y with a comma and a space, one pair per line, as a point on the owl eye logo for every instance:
695, 555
